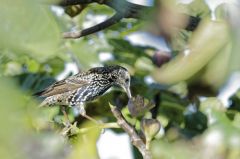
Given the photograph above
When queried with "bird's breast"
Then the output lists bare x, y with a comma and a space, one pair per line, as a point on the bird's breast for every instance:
88, 93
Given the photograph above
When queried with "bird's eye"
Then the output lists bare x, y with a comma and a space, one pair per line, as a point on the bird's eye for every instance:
127, 80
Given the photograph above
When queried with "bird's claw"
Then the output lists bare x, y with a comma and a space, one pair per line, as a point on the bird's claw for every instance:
69, 129
67, 124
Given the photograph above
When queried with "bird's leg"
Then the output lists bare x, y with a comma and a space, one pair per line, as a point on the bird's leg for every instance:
82, 112
69, 128
67, 121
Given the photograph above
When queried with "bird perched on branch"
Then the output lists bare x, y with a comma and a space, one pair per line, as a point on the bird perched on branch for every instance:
85, 86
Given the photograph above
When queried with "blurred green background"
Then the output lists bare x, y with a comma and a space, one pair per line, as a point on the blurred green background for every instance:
185, 83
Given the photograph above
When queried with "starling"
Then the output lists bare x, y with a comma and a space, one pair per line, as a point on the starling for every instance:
85, 86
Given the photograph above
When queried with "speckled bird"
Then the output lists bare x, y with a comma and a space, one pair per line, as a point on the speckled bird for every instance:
86, 86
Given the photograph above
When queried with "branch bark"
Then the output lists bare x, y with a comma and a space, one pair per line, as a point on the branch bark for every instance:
135, 138
123, 8
65, 3
111, 21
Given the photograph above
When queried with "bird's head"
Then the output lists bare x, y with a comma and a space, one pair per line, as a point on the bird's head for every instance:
123, 80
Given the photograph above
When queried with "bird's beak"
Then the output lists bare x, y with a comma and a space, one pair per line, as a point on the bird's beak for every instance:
127, 90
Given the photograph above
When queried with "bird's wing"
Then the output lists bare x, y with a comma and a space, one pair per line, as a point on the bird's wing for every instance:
63, 86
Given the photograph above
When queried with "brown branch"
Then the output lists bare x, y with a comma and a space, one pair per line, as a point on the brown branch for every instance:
65, 3
109, 22
123, 8
127, 9
135, 138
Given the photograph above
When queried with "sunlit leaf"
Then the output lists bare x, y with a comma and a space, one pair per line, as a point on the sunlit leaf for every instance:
85, 144
190, 61
28, 26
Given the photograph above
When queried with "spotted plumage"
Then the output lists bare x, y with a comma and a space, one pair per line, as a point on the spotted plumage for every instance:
86, 86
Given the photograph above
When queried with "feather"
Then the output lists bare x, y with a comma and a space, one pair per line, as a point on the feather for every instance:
62, 86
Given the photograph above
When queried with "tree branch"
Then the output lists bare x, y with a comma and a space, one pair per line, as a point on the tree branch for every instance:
65, 3
135, 138
123, 8
111, 21
126, 9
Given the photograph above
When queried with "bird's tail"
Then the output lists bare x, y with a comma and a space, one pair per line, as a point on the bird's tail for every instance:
39, 94
43, 104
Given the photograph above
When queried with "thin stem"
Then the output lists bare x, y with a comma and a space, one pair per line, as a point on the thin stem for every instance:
101, 126
109, 22
74, 2
148, 144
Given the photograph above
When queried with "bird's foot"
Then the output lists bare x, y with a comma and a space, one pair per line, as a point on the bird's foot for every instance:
69, 129
67, 124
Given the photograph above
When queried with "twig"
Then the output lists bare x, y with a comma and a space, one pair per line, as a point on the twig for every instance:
148, 144
111, 21
100, 126
75, 130
123, 8
135, 138
74, 2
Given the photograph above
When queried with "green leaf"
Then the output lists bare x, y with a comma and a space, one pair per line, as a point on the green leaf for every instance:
188, 63
28, 26
33, 66
85, 144
218, 69
85, 52
13, 68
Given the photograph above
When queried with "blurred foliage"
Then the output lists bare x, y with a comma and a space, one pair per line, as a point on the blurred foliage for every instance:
36, 34
33, 55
